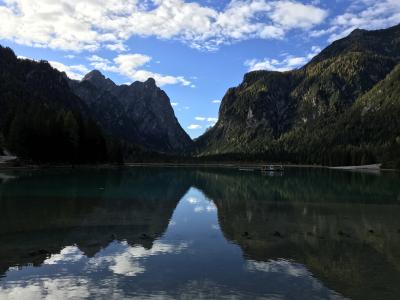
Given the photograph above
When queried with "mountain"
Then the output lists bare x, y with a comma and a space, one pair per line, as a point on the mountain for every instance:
47, 117
41, 119
139, 113
340, 108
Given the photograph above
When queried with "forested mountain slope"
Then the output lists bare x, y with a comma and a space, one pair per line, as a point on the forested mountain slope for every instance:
46, 117
319, 113
41, 119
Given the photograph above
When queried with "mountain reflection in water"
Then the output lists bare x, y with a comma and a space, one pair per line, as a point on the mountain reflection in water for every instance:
199, 233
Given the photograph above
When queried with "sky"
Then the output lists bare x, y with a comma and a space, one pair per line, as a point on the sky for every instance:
195, 50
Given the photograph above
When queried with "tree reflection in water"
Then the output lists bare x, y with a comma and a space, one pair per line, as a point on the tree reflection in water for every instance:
213, 233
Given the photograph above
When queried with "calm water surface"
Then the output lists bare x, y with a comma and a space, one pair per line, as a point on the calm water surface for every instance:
186, 233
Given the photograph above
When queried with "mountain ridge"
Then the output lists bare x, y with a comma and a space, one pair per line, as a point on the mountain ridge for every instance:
139, 113
45, 117
290, 116
41, 119
341, 108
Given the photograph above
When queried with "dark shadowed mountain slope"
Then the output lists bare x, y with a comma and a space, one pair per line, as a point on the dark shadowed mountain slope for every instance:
139, 113
41, 119
46, 117
295, 115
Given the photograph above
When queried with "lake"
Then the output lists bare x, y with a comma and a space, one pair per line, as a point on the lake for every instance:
199, 233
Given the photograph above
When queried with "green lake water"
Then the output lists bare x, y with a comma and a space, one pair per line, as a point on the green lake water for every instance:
199, 233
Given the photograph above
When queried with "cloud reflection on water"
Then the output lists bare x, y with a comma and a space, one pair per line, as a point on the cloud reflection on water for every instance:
126, 259
272, 238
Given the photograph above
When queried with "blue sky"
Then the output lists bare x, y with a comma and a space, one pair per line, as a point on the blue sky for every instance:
195, 50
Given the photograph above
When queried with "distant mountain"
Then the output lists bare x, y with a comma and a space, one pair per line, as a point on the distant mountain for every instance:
46, 117
340, 108
41, 119
140, 113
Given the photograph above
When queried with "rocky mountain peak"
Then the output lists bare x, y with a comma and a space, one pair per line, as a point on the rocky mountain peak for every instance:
96, 78
358, 32
94, 75
139, 113
150, 82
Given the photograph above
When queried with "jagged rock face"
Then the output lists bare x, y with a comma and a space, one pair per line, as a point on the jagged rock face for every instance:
275, 110
264, 101
140, 113
261, 108
99, 81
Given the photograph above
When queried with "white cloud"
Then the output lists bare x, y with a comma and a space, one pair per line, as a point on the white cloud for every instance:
93, 24
198, 209
118, 47
193, 200
123, 265
291, 14
194, 126
365, 14
174, 103
48, 289
212, 121
206, 119
288, 63
129, 62
23, 57
119, 258
127, 260
74, 72
211, 207
67, 255
314, 51
216, 101
321, 32
278, 266
129, 65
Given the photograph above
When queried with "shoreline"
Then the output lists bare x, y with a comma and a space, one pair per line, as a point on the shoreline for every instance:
229, 165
